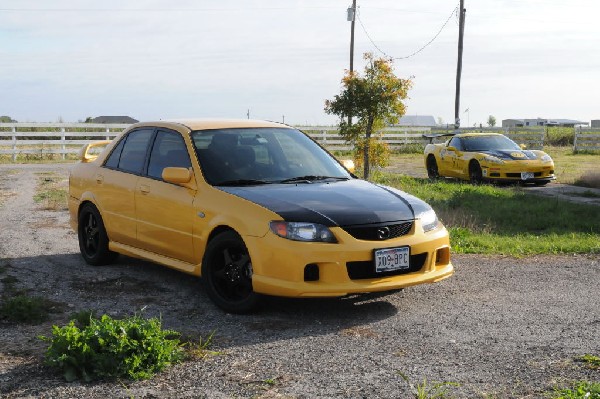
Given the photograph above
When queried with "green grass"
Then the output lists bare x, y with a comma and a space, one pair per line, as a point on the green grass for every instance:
505, 220
51, 192
25, 309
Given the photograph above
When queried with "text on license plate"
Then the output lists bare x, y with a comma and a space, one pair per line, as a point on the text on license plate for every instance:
390, 259
527, 175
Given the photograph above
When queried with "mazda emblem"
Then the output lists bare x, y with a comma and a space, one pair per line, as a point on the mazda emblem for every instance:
383, 233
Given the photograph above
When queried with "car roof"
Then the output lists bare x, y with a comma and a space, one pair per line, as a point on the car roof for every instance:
202, 124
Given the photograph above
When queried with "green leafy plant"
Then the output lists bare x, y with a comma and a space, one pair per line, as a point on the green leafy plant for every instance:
429, 390
591, 361
83, 318
581, 390
25, 309
133, 348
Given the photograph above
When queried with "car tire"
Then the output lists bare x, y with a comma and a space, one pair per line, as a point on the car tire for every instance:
227, 274
475, 174
432, 168
93, 239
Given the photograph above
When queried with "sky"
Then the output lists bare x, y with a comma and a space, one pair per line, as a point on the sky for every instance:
281, 59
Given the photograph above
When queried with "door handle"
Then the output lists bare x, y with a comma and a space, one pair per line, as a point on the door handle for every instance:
144, 189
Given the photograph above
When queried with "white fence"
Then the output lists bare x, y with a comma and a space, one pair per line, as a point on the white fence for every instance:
586, 140
41, 139
52, 138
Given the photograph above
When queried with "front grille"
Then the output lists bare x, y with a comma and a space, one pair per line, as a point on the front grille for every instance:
366, 269
518, 175
379, 232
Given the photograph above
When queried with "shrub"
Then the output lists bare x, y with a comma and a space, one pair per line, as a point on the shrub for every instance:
133, 348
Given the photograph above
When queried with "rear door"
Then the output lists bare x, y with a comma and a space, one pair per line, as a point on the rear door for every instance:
116, 182
165, 211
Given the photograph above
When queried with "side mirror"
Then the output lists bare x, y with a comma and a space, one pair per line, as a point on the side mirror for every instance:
349, 164
179, 176
453, 149
523, 146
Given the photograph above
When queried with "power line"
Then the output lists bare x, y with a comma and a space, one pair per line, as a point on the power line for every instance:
416, 52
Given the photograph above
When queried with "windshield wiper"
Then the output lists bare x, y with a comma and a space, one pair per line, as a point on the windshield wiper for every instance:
311, 178
242, 182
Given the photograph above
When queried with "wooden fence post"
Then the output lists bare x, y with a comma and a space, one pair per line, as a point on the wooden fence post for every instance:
62, 139
14, 137
577, 131
107, 133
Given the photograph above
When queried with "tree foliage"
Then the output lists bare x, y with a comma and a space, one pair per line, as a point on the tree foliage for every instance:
491, 121
373, 100
6, 119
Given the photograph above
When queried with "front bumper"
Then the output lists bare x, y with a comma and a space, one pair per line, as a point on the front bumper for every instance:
279, 265
520, 172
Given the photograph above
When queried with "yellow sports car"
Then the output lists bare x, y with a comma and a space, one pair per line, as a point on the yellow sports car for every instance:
487, 157
254, 208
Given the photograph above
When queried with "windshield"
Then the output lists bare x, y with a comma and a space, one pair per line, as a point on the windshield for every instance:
252, 156
487, 143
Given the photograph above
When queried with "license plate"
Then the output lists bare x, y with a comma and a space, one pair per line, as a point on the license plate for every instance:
526, 175
390, 259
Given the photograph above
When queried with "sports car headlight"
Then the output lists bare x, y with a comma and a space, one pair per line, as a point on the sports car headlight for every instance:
492, 159
300, 231
546, 158
429, 220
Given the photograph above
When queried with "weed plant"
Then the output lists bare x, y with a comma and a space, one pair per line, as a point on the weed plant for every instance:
133, 348
581, 390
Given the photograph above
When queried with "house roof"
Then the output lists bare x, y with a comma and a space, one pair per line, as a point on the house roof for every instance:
114, 119
417, 120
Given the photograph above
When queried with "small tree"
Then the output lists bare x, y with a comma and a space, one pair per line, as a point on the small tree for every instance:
374, 99
491, 121
6, 119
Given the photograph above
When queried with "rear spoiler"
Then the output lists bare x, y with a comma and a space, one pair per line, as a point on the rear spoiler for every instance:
84, 153
433, 136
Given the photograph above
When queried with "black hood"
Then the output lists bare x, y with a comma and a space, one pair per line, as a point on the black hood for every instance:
338, 203
514, 155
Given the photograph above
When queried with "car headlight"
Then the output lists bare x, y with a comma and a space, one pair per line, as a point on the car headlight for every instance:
301, 231
492, 159
429, 220
546, 158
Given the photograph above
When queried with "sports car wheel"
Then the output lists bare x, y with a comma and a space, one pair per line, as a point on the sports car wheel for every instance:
432, 168
227, 274
93, 240
475, 174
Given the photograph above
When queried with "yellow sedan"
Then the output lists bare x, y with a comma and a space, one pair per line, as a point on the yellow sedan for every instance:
253, 208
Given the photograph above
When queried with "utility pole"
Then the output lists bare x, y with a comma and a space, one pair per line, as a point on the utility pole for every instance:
352, 18
461, 30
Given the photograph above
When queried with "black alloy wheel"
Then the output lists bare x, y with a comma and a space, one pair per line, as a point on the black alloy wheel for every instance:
227, 274
93, 240
432, 168
475, 174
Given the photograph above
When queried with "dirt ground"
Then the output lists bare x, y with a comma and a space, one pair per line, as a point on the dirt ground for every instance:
500, 327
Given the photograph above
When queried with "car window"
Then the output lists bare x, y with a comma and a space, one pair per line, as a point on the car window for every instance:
133, 155
265, 154
456, 142
487, 143
115, 155
168, 150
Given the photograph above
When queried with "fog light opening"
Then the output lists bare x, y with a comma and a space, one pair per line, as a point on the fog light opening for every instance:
311, 272
442, 256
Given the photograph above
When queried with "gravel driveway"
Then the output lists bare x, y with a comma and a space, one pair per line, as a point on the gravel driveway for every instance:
500, 327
